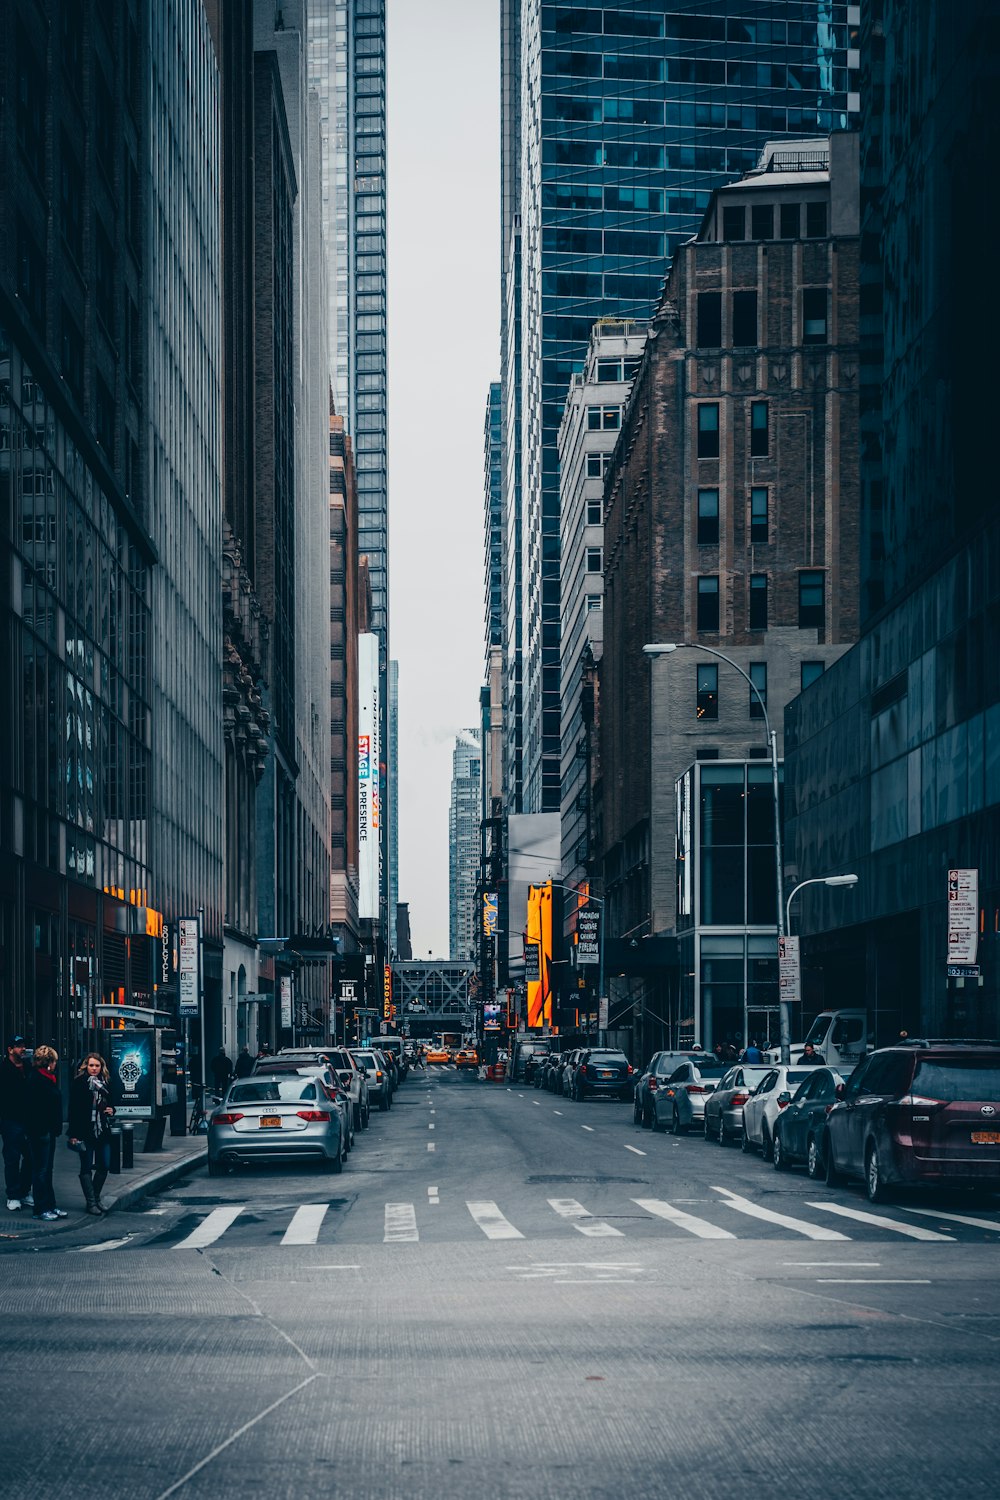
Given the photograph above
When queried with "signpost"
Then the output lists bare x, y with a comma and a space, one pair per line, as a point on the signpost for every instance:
588, 936
189, 966
532, 964
963, 918
789, 972
285, 990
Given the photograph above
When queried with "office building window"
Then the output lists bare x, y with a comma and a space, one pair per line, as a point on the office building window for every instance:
708, 604
815, 221
744, 320
594, 560
809, 672
709, 320
758, 429
811, 599
758, 601
758, 676
603, 418
708, 517
597, 465
758, 515
733, 223
707, 693
789, 221
594, 513
762, 221
708, 429
814, 300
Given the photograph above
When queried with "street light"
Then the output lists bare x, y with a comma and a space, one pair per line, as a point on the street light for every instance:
817, 880
664, 649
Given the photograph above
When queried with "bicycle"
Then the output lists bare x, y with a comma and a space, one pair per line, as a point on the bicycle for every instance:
198, 1123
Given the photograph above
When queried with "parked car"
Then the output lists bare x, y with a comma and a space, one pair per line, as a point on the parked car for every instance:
654, 1076
530, 1050
724, 1106
923, 1114
392, 1047
268, 1116
549, 1073
388, 1063
602, 1071
798, 1131
321, 1070
378, 1078
679, 1106
769, 1098
467, 1057
348, 1074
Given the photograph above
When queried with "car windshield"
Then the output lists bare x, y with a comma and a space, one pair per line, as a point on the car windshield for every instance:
608, 1057
271, 1091
797, 1075
754, 1075
972, 1080
710, 1072
365, 1060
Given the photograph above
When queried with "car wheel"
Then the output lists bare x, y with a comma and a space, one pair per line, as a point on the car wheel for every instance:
675, 1123
745, 1144
720, 1135
383, 1104
778, 1156
336, 1164
216, 1168
636, 1113
765, 1144
648, 1116
368, 1116
875, 1186
814, 1159
833, 1177
356, 1111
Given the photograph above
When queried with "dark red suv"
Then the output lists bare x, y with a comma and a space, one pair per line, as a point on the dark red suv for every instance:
926, 1113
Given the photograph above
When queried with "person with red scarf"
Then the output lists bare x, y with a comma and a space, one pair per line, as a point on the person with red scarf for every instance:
44, 1127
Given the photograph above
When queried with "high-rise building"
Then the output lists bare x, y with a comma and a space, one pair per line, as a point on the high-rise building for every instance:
391, 796
493, 528
344, 630
463, 847
616, 126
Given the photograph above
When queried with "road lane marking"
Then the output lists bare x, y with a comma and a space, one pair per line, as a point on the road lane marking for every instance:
211, 1227
587, 1127
432, 1192
701, 1227
431, 1125
879, 1221
841, 1265
492, 1222
557, 1112
338, 1268
871, 1281
306, 1224
537, 1102
430, 1145
635, 1150
956, 1219
797, 1226
104, 1245
400, 1223
583, 1220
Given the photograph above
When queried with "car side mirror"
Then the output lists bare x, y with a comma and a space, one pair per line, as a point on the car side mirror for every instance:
784, 1098
841, 1090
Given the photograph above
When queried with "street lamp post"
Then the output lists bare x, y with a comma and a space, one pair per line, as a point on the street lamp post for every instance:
816, 880
663, 649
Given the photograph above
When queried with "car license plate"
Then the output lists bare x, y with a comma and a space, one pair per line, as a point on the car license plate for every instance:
986, 1137
270, 1122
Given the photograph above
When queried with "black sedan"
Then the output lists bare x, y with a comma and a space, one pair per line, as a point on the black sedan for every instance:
798, 1132
602, 1070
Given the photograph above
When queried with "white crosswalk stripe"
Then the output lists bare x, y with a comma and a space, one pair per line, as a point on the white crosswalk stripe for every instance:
770, 1216
400, 1223
211, 1228
583, 1220
306, 1224
932, 1213
879, 1221
701, 1227
492, 1222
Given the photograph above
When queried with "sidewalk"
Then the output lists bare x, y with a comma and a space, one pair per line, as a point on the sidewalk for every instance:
180, 1155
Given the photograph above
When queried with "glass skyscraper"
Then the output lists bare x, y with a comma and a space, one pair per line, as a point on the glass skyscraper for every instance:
617, 123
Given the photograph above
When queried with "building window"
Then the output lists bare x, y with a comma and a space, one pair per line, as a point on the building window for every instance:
594, 513
758, 676
758, 601
789, 221
814, 300
744, 320
809, 672
758, 515
758, 429
594, 560
762, 221
603, 418
733, 223
709, 320
708, 429
708, 604
815, 221
708, 517
597, 465
811, 600
707, 700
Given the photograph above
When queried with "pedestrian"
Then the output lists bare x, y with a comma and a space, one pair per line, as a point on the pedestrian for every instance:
730, 1053
263, 1050
244, 1062
222, 1070
809, 1054
752, 1053
44, 1126
14, 1073
90, 1116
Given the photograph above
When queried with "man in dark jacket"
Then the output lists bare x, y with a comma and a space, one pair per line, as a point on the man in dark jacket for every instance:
222, 1070
14, 1072
244, 1063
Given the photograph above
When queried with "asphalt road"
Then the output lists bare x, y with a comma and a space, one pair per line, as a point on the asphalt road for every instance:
509, 1292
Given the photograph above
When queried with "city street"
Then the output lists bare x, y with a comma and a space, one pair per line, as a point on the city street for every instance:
509, 1291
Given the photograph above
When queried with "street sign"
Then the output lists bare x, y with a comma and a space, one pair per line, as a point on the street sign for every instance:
963, 916
964, 971
285, 985
532, 966
789, 973
588, 936
189, 952
602, 1015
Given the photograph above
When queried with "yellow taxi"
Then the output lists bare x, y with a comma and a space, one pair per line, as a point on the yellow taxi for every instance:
437, 1055
468, 1057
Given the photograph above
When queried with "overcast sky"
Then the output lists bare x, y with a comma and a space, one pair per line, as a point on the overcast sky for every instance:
444, 349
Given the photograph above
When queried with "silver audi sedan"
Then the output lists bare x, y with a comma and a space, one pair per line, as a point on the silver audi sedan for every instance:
268, 1117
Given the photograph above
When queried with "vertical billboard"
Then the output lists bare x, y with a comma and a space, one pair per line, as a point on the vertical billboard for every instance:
369, 796
539, 935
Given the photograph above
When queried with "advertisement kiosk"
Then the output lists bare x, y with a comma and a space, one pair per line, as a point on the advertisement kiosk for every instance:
140, 1049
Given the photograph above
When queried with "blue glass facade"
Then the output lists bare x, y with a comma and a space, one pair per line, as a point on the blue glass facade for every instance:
618, 123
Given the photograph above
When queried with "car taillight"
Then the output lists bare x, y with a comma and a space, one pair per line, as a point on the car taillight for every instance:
652, 1083
694, 1088
737, 1100
378, 1076
630, 1068
917, 1101
313, 1114
226, 1119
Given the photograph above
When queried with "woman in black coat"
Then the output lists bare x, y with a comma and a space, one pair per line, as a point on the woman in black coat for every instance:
90, 1116
44, 1127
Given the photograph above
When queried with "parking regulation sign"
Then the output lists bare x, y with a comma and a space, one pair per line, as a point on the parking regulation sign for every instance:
789, 973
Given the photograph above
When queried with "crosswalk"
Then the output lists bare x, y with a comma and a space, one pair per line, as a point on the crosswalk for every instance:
726, 1215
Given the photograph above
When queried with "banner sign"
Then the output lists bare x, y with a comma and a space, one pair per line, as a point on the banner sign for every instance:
491, 1017
789, 976
963, 916
369, 792
189, 965
532, 965
285, 991
489, 913
588, 936
132, 1065
386, 992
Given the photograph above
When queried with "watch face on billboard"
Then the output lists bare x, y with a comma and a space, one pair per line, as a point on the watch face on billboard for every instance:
132, 1068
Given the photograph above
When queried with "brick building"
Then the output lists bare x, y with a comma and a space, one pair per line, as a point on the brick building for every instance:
730, 518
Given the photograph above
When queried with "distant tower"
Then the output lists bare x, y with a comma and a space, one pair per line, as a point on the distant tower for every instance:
463, 846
